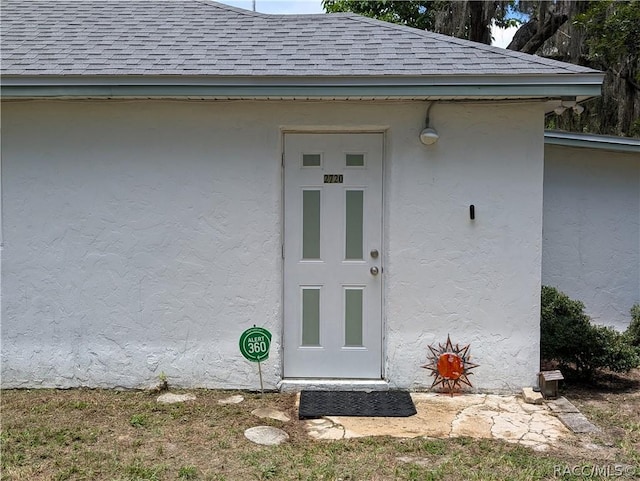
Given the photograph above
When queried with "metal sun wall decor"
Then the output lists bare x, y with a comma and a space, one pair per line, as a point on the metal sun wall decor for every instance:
450, 365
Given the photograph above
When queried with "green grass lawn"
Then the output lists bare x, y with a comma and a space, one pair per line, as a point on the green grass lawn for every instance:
114, 435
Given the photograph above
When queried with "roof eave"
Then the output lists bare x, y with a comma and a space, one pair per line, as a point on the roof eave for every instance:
591, 141
162, 86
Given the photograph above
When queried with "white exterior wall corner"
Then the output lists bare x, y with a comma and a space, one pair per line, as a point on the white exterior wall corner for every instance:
591, 245
476, 280
143, 237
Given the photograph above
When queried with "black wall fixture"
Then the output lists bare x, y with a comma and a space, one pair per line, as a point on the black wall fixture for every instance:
472, 212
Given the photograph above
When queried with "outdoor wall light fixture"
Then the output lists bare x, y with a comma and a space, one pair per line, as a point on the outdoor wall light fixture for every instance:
568, 103
428, 136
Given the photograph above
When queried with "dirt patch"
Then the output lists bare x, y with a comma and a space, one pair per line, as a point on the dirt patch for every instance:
611, 401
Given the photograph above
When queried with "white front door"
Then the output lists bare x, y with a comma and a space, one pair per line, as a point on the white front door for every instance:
333, 255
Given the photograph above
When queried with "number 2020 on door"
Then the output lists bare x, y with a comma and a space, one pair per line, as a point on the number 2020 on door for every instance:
333, 178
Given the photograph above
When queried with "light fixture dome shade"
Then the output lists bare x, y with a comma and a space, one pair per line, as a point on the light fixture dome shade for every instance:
429, 136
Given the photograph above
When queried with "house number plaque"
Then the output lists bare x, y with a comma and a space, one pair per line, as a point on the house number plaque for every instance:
333, 178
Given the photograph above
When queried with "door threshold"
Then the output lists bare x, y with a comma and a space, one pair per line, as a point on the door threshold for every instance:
295, 385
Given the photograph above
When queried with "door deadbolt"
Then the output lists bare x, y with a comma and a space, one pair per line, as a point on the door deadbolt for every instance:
374, 253
374, 270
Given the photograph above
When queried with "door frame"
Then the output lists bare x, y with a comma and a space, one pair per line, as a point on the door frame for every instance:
383, 131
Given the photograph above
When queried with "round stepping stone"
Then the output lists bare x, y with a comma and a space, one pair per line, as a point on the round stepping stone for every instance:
170, 398
271, 414
235, 399
266, 435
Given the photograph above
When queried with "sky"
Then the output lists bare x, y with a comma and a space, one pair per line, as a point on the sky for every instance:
279, 6
502, 37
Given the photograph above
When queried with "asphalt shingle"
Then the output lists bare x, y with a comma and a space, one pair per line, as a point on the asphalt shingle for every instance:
199, 37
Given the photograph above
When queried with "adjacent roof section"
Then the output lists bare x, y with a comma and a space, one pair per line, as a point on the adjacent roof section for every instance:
592, 141
136, 43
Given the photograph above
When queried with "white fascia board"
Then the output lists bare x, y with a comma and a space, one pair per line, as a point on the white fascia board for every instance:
460, 86
592, 141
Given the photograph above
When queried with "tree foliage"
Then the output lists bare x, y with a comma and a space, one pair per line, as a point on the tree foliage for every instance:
417, 14
604, 35
470, 20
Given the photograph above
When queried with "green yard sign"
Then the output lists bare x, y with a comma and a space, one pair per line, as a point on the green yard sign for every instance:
255, 343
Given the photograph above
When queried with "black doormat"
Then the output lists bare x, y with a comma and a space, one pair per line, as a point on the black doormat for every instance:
315, 404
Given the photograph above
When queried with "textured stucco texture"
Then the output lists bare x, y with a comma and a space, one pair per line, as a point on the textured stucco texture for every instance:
591, 244
143, 237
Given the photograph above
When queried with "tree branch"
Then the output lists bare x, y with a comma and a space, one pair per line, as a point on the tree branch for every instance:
530, 37
523, 34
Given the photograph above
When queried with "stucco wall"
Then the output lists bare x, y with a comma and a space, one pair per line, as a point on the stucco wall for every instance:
591, 246
142, 237
477, 280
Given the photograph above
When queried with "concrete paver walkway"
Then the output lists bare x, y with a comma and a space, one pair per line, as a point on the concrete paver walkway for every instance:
440, 416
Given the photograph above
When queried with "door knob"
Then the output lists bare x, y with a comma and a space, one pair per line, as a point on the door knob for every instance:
374, 271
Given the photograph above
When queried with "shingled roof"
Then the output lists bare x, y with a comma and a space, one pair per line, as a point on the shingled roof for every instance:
148, 42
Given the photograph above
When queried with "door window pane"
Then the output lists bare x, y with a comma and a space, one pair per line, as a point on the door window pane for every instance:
353, 317
354, 224
311, 224
354, 160
311, 160
310, 317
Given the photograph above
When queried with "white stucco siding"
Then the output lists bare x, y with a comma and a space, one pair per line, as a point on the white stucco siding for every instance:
592, 230
143, 237
477, 280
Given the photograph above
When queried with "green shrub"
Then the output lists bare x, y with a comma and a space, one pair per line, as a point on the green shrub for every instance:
568, 337
564, 328
613, 351
633, 331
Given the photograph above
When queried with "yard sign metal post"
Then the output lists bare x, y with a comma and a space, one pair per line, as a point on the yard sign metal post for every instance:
254, 345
